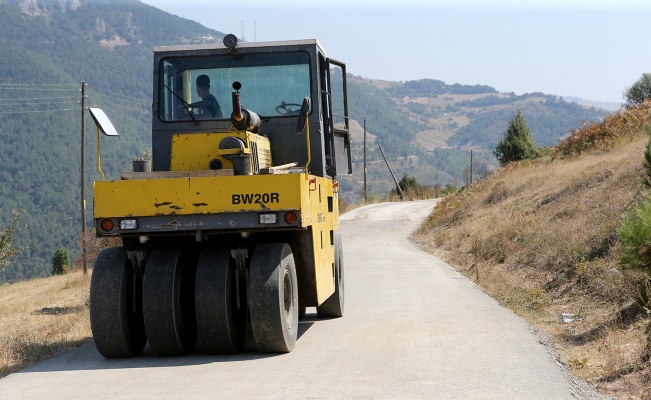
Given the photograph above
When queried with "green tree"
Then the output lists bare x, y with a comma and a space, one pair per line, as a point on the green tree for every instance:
639, 91
7, 248
61, 262
449, 189
412, 189
409, 182
634, 235
518, 144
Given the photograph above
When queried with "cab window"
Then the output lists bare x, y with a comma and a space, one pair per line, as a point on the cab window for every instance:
273, 85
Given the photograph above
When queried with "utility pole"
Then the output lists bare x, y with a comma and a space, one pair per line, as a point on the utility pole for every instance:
402, 195
365, 188
83, 185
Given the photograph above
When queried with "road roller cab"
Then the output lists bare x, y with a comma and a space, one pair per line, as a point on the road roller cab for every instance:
234, 230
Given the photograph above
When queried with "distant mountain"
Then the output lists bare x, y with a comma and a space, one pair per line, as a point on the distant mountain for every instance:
606, 105
426, 127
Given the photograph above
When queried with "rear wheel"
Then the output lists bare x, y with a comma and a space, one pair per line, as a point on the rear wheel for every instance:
273, 298
221, 318
333, 307
115, 305
168, 302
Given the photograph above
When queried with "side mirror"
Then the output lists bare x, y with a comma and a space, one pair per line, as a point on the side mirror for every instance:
302, 115
102, 121
104, 124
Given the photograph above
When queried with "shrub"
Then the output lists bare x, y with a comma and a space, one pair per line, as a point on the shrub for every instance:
635, 236
61, 262
622, 124
449, 189
647, 155
412, 189
518, 144
7, 236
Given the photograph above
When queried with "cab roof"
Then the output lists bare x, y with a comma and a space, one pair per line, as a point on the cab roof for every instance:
241, 45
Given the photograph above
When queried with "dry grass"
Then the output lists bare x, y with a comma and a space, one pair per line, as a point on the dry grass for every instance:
541, 238
41, 318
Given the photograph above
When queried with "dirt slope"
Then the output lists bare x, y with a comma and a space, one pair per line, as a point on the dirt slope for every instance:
541, 238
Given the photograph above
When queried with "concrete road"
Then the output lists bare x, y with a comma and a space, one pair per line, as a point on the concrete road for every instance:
413, 328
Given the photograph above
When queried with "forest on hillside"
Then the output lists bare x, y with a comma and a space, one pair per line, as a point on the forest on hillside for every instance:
40, 124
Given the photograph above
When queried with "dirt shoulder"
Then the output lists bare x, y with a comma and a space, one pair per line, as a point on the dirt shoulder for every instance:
41, 318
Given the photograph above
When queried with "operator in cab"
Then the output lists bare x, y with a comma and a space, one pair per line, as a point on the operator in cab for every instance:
208, 102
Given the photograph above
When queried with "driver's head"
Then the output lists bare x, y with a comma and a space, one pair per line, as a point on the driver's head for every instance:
203, 84
203, 81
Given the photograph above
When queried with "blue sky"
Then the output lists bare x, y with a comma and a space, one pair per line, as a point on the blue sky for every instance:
589, 49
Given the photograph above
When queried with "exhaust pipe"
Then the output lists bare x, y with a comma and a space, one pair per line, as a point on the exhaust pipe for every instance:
242, 118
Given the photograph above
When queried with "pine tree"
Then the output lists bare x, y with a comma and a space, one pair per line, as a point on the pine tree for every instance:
518, 144
61, 262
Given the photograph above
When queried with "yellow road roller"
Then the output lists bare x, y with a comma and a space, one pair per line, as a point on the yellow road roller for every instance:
232, 230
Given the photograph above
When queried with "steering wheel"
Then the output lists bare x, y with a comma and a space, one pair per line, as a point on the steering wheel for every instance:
188, 110
288, 108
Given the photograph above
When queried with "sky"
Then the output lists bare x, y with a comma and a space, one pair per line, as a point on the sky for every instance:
591, 49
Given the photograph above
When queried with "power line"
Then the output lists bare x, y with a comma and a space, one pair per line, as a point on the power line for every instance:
16, 104
40, 84
63, 87
128, 108
68, 102
38, 111
36, 88
63, 103
14, 99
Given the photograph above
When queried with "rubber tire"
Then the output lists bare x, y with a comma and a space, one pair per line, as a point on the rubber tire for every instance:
221, 326
333, 307
168, 302
118, 330
273, 298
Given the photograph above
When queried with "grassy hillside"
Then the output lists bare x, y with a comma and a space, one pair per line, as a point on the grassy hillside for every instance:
541, 238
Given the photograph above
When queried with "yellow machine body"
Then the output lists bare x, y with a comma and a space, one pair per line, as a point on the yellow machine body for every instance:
191, 152
163, 206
